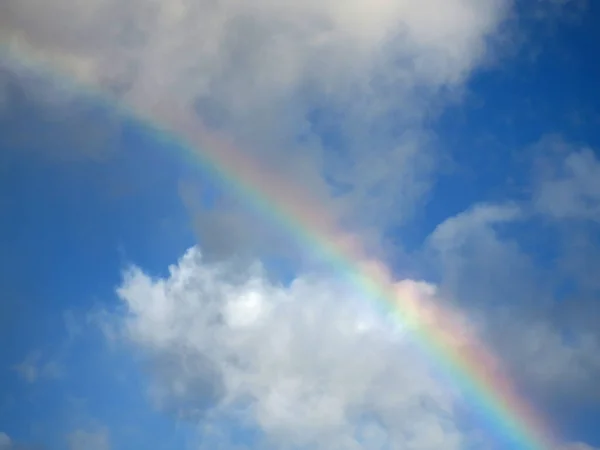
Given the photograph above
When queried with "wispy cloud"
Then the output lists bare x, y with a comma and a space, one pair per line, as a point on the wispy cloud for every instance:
34, 368
89, 440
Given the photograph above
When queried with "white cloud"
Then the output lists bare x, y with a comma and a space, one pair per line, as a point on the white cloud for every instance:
308, 364
311, 363
89, 440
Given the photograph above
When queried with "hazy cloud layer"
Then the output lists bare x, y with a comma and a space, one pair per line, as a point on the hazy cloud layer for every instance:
286, 81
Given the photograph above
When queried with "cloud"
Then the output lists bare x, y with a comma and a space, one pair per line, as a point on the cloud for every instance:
568, 185
70, 127
578, 446
196, 48
331, 94
5, 441
32, 368
228, 230
554, 359
568, 10
311, 364
334, 96
566, 194
550, 347
473, 263
454, 232
89, 440
307, 363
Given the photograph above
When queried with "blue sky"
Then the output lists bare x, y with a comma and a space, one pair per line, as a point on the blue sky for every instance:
145, 305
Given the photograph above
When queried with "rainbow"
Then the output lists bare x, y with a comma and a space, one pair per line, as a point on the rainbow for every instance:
435, 329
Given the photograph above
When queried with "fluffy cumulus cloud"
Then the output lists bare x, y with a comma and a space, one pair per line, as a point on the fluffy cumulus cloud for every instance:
310, 364
306, 364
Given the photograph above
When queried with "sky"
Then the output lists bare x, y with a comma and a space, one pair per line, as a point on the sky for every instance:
175, 174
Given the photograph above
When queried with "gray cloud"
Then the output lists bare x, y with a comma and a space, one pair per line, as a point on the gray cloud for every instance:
285, 81
69, 126
550, 339
579, 446
5, 441
568, 185
566, 194
474, 263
